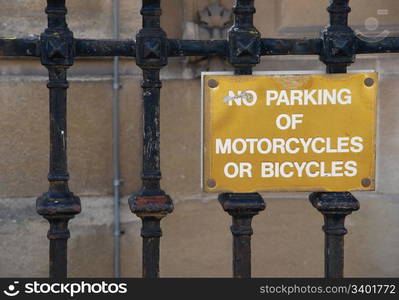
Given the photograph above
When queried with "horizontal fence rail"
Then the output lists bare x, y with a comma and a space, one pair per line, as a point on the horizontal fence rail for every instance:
180, 48
56, 47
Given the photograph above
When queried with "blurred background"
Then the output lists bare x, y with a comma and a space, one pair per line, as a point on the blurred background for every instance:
288, 240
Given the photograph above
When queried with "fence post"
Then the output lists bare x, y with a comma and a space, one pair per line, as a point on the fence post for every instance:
334, 207
58, 205
339, 49
244, 53
242, 208
151, 204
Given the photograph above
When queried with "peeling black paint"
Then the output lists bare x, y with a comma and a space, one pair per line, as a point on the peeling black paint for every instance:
57, 49
58, 205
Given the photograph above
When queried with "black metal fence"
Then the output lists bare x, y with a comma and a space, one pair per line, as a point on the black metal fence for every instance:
57, 49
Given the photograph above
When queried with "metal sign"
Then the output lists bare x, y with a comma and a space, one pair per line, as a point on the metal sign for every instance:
289, 132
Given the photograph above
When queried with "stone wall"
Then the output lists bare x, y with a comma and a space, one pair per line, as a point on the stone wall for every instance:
288, 240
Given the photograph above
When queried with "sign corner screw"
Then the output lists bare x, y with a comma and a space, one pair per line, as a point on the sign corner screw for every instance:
369, 82
212, 83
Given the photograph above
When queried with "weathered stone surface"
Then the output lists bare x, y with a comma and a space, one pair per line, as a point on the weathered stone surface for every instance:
87, 19
288, 239
308, 17
25, 138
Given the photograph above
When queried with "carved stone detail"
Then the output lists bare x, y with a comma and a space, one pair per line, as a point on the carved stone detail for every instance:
213, 23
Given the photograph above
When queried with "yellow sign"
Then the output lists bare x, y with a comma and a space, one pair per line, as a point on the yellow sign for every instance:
289, 132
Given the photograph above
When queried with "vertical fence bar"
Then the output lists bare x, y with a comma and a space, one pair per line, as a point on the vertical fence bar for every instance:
151, 204
58, 205
338, 53
244, 53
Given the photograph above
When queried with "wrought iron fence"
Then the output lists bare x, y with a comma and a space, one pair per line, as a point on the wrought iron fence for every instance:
244, 47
